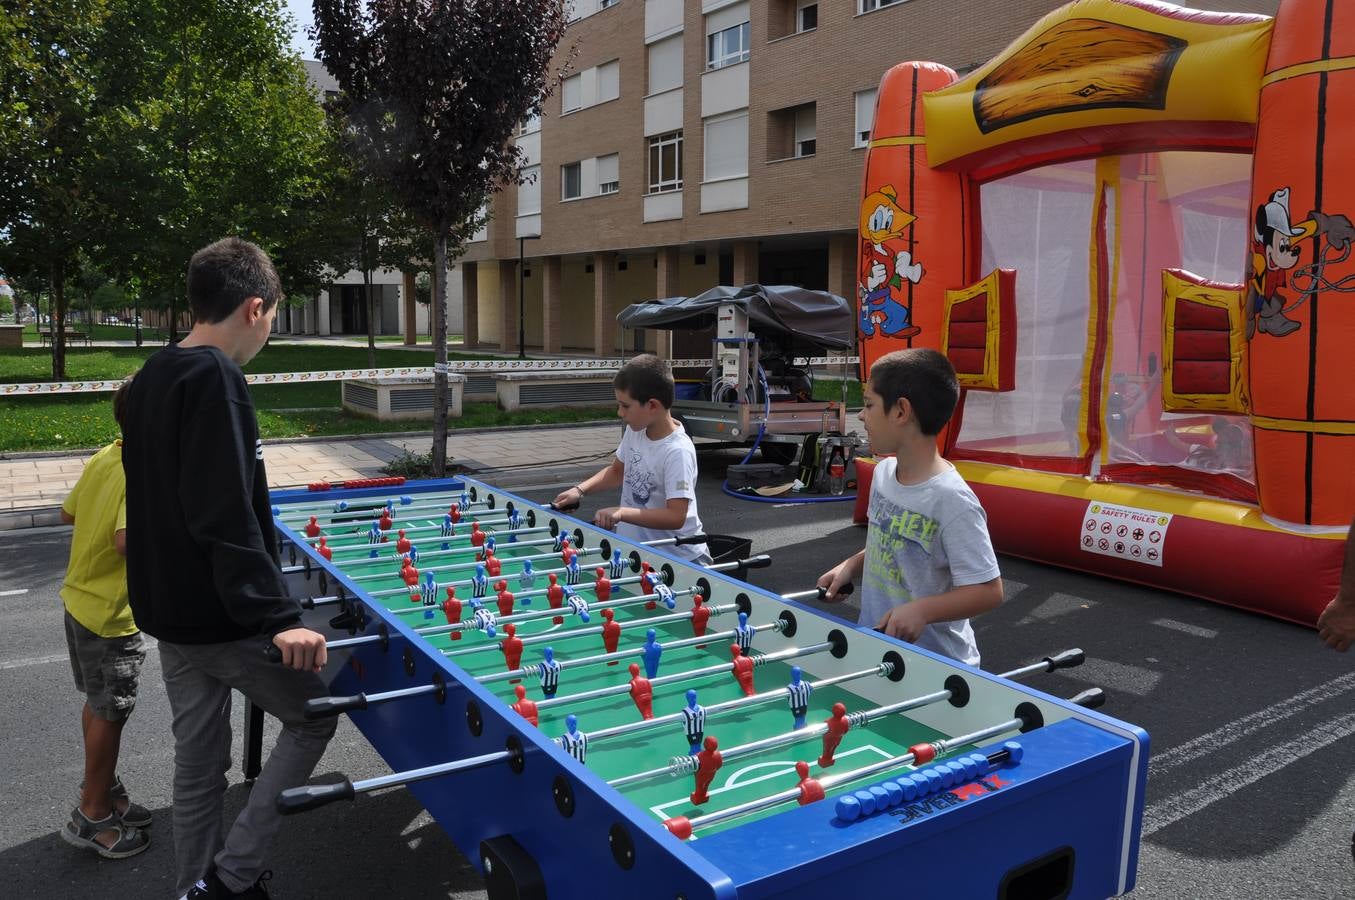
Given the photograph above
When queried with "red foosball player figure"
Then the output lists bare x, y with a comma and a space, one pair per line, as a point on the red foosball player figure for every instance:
409, 574
641, 692
524, 707
455, 512
837, 726
312, 528
742, 669
810, 789
477, 537
324, 549
385, 522
700, 616
647, 579
611, 633
402, 543
452, 608
708, 762
512, 648
505, 598
565, 550
492, 564
555, 596
602, 586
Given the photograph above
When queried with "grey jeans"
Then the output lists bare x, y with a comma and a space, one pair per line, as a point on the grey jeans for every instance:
198, 680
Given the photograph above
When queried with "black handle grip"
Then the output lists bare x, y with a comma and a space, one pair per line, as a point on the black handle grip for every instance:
563, 507
761, 561
1066, 660
313, 796
690, 539
1091, 698
842, 592
271, 651
324, 707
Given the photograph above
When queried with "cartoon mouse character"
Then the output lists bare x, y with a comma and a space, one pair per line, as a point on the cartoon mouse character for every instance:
1275, 250
885, 265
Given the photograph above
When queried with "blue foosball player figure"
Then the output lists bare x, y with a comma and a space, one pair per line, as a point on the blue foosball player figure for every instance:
694, 722
550, 676
743, 634
797, 693
573, 740
526, 579
618, 568
479, 584
652, 651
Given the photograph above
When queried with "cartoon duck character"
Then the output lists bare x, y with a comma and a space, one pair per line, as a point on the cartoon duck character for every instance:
885, 265
1275, 250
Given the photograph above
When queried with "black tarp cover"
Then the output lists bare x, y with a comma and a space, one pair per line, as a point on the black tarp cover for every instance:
816, 316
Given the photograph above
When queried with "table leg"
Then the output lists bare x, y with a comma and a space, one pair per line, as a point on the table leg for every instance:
252, 761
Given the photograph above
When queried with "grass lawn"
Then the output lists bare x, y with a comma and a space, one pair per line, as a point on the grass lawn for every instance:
77, 421
831, 389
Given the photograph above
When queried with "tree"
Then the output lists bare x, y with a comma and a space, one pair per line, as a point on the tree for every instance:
436, 88
50, 160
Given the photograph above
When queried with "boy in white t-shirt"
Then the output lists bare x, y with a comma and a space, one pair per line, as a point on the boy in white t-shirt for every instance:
655, 465
929, 565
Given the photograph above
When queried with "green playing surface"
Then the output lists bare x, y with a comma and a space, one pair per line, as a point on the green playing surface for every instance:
741, 779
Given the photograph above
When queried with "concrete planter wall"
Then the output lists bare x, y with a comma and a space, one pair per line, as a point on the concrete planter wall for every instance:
394, 399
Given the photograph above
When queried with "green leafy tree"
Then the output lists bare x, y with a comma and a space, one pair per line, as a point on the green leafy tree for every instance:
436, 88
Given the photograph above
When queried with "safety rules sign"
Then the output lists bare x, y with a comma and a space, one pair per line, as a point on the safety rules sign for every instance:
1138, 535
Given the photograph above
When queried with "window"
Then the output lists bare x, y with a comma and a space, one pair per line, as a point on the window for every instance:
609, 81
865, 117
727, 146
571, 94
529, 192
728, 47
806, 121
806, 16
872, 5
665, 65
665, 163
571, 182
530, 124
609, 181
603, 4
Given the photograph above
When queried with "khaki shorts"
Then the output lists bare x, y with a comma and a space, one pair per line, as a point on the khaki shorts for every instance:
106, 669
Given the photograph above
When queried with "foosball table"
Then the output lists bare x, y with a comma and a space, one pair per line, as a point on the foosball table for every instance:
589, 717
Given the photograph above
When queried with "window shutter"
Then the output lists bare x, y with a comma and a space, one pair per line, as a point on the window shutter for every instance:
978, 332
1204, 347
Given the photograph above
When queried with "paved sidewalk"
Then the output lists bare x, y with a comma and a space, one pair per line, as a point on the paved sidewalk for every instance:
33, 486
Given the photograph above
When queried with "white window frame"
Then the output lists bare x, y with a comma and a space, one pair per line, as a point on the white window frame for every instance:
530, 125
866, 6
857, 132
798, 143
564, 181
706, 145
616, 64
564, 94
606, 4
742, 51
661, 185
609, 187
800, 8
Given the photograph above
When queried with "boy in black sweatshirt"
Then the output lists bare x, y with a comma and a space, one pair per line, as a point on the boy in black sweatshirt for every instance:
203, 575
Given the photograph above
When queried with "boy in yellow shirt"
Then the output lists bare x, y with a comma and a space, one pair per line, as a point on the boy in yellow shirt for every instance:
106, 650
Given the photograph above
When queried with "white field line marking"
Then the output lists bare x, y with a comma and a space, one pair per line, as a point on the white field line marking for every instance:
781, 767
1224, 784
14, 593
33, 661
1238, 729
1186, 628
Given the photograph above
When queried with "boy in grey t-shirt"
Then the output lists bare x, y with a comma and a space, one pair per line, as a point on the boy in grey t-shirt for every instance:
928, 565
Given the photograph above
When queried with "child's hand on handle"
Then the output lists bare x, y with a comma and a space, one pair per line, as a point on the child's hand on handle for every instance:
301, 649
835, 584
608, 518
568, 499
904, 622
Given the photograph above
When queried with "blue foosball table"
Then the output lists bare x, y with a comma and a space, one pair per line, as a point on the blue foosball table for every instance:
589, 717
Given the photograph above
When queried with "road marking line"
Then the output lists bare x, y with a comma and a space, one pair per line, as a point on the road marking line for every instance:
1238, 729
33, 661
782, 768
13, 593
1225, 784
1186, 628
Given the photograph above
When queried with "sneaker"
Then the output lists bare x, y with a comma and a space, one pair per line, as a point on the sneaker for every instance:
82, 831
209, 887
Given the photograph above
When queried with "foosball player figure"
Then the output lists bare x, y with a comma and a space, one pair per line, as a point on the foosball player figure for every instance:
566, 551
647, 581
641, 692
573, 740
524, 707
455, 512
401, 543
409, 573
479, 583
797, 695
743, 669
693, 722
385, 522
477, 537
550, 673
700, 616
810, 789
484, 619
514, 523
666, 595
324, 549
505, 598
611, 633
465, 499
708, 762
428, 592
313, 528
577, 605
837, 727
527, 580
651, 652
555, 596
618, 568
452, 608
743, 634
492, 564
561, 542
512, 649
448, 528
572, 573
602, 585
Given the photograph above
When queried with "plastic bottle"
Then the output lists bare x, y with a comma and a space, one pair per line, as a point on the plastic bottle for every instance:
837, 472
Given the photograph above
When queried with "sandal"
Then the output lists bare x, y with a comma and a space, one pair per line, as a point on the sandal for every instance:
81, 831
135, 814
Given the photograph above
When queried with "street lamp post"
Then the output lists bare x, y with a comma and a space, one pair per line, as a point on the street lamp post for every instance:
522, 295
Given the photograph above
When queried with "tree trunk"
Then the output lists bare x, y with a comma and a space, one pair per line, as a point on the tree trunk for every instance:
58, 322
371, 304
439, 309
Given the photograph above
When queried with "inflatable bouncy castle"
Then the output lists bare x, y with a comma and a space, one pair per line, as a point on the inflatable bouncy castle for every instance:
1131, 233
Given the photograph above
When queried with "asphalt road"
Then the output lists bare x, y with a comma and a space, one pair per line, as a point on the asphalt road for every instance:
1250, 791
